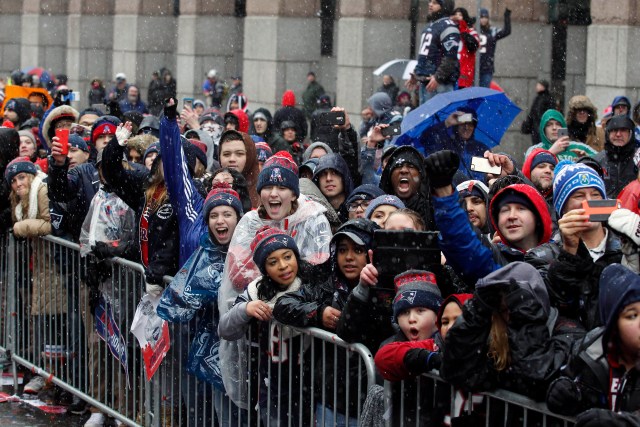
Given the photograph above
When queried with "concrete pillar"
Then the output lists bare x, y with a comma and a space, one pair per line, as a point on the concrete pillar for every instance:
89, 45
29, 35
370, 33
10, 36
612, 54
209, 36
281, 45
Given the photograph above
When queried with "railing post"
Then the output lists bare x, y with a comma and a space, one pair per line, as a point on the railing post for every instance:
10, 325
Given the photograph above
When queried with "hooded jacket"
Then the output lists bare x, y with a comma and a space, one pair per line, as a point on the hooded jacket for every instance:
538, 344
288, 111
268, 135
337, 163
619, 166
464, 249
47, 131
567, 154
526, 167
593, 368
588, 132
419, 202
243, 120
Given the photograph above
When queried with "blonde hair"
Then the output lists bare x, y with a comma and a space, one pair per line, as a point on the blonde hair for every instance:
414, 216
15, 199
499, 343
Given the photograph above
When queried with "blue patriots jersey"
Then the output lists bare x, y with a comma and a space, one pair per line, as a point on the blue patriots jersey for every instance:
439, 39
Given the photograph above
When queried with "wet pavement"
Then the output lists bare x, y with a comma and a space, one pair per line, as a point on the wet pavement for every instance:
22, 414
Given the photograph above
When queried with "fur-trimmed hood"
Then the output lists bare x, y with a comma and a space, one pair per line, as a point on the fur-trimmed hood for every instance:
48, 131
580, 102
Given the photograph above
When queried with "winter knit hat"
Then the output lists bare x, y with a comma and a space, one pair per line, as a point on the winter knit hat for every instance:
105, 125
28, 134
364, 192
386, 199
221, 195
538, 157
281, 170
268, 240
19, 165
288, 98
473, 187
153, 148
263, 151
416, 288
77, 141
569, 177
21, 106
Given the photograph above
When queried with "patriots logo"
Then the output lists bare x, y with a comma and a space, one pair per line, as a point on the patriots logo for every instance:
450, 44
408, 296
276, 175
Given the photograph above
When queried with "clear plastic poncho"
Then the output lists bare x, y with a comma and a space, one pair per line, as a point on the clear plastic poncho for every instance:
312, 233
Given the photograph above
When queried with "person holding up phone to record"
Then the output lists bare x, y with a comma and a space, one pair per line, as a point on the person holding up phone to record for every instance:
585, 245
456, 134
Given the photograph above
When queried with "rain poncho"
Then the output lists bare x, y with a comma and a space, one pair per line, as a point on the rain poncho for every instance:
109, 220
194, 292
312, 234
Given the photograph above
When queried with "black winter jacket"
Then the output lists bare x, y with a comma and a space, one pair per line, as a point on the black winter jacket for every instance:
589, 373
539, 341
163, 237
573, 280
618, 165
70, 195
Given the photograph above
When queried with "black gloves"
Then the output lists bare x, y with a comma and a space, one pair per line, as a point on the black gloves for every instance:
419, 360
102, 251
563, 396
170, 111
470, 42
507, 13
603, 417
441, 167
490, 296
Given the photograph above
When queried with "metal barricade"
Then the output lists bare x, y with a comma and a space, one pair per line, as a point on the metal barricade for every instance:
426, 398
49, 332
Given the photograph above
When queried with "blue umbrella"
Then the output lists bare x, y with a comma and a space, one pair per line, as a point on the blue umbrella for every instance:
494, 109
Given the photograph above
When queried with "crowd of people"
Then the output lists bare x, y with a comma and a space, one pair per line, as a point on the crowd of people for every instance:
269, 220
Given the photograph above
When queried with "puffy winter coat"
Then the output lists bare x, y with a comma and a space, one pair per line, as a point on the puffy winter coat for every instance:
539, 342
619, 166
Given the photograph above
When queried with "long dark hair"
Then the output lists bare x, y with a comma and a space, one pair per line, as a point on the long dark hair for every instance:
268, 288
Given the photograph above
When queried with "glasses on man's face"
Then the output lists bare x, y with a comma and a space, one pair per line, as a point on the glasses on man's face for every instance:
363, 204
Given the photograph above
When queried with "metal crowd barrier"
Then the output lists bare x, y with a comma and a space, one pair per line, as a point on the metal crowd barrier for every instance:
414, 402
48, 330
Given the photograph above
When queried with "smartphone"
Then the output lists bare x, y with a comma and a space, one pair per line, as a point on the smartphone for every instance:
599, 210
465, 118
482, 165
563, 132
333, 118
392, 130
63, 139
187, 102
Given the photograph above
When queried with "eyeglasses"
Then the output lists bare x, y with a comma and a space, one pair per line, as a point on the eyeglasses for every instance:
364, 204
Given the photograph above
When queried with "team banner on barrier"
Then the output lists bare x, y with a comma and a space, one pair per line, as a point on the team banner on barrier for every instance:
107, 329
152, 333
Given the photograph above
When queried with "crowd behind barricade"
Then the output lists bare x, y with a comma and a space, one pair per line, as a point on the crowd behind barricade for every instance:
271, 220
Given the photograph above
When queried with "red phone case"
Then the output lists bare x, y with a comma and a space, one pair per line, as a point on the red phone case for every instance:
63, 136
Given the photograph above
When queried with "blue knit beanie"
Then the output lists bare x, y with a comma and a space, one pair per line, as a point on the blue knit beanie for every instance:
281, 170
387, 199
365, 192
569, 177
416, 288
19, 165
267, 241
77, 141
153, 148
